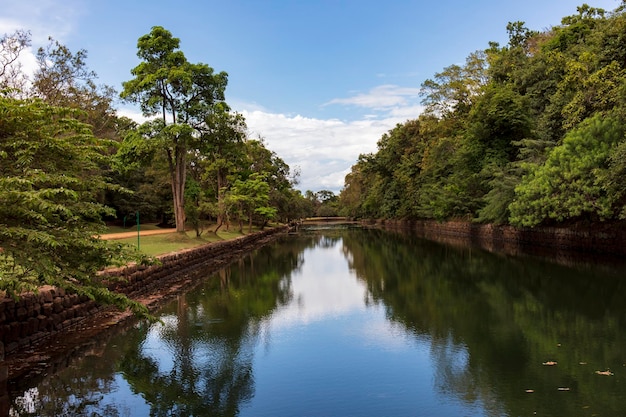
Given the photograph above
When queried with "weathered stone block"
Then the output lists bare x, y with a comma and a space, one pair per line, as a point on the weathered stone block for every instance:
57, 304
47, 309
14, 332
33, 325
67, 302
44, 323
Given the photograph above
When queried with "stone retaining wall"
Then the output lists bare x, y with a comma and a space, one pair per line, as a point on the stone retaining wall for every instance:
36, 317
562, 241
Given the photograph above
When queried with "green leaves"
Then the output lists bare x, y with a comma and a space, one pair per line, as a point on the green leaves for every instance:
524, 133
571, 182
49, 214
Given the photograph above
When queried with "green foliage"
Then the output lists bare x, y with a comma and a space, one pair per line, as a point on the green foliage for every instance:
251, 196
615, 179
516, 134
501, 181
184, 94
571, 182
49, 216
498, 119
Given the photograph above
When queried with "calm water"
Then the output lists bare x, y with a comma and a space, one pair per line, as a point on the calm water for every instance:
363, 323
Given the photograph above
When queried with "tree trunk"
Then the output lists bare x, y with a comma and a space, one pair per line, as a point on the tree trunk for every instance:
218, 226
178, 173
221, 182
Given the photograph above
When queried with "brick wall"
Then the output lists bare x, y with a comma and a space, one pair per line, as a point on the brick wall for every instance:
35, 317
596, 241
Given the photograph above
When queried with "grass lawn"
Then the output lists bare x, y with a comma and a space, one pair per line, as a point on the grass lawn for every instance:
172, 242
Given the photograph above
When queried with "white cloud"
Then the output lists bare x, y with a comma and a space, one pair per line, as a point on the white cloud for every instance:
324, 150
42, 18
381, 97
133, 114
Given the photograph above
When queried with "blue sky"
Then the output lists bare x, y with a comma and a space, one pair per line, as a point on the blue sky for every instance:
319, 80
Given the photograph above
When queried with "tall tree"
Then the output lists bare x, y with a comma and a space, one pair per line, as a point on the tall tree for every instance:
182, 94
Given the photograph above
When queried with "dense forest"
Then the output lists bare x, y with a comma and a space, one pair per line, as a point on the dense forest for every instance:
530, 133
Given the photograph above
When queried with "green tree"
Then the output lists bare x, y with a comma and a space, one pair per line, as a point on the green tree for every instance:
452, 91
571, 183
251, 196
183, 94
221, 154
49, 217
277, 174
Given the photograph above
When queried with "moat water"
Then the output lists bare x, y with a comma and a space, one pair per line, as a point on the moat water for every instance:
352, 322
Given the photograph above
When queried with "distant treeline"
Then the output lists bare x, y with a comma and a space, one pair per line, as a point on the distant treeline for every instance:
526, 134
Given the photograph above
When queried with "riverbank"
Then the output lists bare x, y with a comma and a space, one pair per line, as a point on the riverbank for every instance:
566, 244
41, 330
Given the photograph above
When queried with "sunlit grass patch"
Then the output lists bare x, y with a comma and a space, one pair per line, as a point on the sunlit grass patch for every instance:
153, 245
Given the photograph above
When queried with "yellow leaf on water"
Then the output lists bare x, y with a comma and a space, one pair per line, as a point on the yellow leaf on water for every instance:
606, 373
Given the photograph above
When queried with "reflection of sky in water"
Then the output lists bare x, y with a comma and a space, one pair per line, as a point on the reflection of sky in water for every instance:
322, 288
328, 351
326, 288
156, 348
126, 405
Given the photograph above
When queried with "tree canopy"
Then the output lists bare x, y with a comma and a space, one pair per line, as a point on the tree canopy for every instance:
183, 94
528, 133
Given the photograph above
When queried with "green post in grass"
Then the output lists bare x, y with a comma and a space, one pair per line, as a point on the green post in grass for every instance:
137, 230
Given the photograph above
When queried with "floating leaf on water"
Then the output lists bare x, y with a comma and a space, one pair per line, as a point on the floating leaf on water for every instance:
549, 363
606, 373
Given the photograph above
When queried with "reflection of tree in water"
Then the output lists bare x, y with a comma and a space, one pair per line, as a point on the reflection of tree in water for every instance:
490, 317
198, 362
74, 391
200, 380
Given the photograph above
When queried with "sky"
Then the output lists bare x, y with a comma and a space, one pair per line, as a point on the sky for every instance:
319, 80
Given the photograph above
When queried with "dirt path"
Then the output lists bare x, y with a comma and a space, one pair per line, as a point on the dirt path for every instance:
126, 235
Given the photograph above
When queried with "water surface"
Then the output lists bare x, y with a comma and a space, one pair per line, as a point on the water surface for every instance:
349, 322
